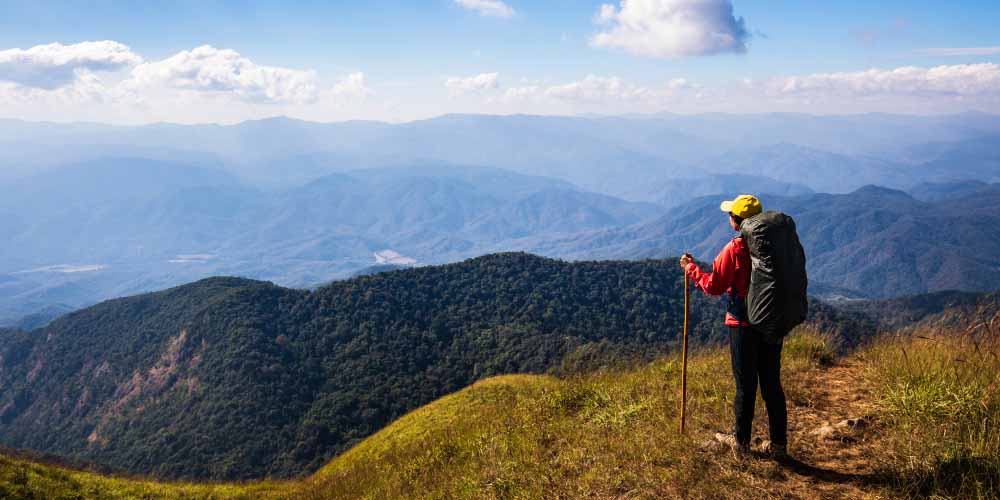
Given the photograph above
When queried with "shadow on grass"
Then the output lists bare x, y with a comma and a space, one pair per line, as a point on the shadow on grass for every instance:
831, 476
962, 477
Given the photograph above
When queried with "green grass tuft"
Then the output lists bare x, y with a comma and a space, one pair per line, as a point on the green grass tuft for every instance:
810, 347
938, 395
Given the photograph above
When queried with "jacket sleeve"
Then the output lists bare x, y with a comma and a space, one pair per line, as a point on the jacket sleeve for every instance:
722, 276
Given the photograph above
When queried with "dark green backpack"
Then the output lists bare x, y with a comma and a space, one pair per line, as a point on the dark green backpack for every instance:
776, 301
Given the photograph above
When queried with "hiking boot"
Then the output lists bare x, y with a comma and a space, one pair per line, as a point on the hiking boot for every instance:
730, 441
778, 452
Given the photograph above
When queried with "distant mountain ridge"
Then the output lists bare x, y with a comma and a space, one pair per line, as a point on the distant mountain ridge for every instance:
302, 203
612, 155
332, 227
879, 242
302, 236
820, 170
940, 191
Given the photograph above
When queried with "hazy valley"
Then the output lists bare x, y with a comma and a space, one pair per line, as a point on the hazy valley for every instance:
301, 204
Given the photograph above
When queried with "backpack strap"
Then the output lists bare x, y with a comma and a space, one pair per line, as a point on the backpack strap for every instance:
736, 302
734, 299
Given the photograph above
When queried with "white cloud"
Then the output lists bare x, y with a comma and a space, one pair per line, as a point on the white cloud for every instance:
671, 28
492, 8
66, 269
901, 90
961, 51
185, 87
955, 80
56, 65
214, 85
88, 88
479, 83
521, 93
353, 87
209, 69
598, 88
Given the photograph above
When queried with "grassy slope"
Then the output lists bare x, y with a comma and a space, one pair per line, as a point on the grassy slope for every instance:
612, 434
131, 383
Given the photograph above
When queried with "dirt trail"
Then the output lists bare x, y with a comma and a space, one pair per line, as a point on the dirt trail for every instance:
830, 460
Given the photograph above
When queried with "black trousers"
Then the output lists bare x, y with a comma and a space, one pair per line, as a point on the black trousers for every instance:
757, 361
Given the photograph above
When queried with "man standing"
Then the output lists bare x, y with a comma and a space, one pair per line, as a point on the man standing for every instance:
756, 357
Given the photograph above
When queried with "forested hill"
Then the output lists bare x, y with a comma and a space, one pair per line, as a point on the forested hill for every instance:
231, 378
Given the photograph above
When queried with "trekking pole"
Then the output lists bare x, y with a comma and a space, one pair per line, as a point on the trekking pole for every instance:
684, 355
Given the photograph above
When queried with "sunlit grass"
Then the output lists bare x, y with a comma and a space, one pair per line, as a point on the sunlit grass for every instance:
939, 394
614, 434
26, 480
606, 434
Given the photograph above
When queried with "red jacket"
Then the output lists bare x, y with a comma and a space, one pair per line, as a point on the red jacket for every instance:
731, 269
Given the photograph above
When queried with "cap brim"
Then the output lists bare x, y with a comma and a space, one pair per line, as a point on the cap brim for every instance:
726, 206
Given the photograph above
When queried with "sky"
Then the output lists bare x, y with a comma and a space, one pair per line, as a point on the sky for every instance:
227, 61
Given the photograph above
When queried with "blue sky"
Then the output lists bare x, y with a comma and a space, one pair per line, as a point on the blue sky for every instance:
393, 59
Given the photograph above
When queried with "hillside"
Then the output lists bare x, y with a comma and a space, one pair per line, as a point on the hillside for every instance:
612, 433
289, 378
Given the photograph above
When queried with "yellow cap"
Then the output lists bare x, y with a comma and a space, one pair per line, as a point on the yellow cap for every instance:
744, 206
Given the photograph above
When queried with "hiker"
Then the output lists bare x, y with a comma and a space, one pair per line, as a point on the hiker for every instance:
755, 347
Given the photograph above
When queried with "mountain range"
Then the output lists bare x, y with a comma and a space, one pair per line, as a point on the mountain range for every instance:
92, 212
334, 227
612, 155
73, 242
873, 242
